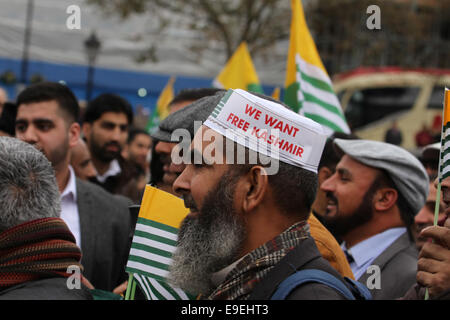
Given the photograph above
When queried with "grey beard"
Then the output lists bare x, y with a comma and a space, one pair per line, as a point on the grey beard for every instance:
209, 242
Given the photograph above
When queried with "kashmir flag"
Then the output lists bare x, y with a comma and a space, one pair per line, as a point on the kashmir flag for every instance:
154, 241
444, 167
162, 105
309, 90
239, 72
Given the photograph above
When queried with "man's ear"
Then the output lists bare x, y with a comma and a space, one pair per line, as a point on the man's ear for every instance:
323, 174
74, 134
385, 198
256, 185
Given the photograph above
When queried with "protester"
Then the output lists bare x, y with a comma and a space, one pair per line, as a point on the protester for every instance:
99, 221
161, 160
138, 148
430, 159
7, 118
327, 167
425, 217
243, 222
373, 196
434, 258
105, 128
424, 136
3, 98
81, 162
36, 246
185, 119
394, 135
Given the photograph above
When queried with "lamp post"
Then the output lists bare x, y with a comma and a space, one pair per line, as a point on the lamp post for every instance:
92, 47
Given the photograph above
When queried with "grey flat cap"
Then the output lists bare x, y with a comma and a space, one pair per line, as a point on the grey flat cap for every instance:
405, 170
184, 118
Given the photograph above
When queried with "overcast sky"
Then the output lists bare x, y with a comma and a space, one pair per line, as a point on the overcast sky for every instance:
51, 40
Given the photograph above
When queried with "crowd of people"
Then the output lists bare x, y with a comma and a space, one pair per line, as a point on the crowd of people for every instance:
356, 214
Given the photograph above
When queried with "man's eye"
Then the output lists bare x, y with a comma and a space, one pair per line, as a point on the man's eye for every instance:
21, 127
44, 126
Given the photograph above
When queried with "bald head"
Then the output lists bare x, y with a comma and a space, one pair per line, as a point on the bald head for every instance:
81, 161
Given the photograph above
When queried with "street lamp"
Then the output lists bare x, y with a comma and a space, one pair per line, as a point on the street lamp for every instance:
92, 47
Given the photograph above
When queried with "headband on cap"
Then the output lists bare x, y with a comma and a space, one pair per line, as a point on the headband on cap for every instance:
269, 128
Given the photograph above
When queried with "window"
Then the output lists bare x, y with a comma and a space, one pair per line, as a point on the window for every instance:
369, 105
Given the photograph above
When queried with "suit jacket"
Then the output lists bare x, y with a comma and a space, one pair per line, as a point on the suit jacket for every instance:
105, 235
398, 265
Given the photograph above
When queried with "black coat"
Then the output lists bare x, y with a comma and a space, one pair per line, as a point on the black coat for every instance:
45, 289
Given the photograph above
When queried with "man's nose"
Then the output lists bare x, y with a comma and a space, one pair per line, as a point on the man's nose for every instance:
328, 184
29, 135
423, 217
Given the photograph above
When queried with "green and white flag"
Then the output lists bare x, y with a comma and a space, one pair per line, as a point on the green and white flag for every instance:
154, 242
308, 88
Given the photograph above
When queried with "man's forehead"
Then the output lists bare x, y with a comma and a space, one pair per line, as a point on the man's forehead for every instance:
113, 117
42, 110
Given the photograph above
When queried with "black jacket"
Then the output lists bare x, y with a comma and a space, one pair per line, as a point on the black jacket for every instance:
45, 289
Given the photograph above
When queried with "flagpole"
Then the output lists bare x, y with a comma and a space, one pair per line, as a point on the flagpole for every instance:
438, 192
129, 295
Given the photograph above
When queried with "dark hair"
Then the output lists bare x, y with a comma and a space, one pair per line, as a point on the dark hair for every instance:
49, 91
107, 102
330, 157
194, 94
134, 132
8, 117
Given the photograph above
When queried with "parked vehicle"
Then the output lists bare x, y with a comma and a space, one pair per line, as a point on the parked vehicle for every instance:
373, 98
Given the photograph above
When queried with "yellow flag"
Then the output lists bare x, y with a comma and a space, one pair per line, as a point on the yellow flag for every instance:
276, 93
445, 152
154, 242
162, 207
308, 88
239, 72
162, 105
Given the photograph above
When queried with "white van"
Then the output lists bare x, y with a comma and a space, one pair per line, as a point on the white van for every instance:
372, 98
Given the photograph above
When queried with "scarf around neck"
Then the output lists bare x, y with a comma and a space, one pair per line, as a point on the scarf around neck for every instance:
254, 266
42, 248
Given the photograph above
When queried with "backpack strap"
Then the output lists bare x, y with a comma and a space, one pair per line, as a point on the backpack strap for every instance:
306, 257
359, 290
310, 275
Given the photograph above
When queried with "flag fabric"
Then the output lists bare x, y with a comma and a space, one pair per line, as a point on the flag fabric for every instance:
239, 72
276, 93
162, 105
308, 88
154, 241
444, 167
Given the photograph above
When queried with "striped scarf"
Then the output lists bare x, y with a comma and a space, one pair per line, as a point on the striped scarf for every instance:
38, 249
255, 265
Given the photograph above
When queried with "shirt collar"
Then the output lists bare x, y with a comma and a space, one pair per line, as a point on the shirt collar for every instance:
114, 169
70, 188
372, 247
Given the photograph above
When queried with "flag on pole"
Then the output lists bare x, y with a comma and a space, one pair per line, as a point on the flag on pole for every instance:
276, 93
162, 105
444, 159
309, 90
444, 165
154, 241
239, 72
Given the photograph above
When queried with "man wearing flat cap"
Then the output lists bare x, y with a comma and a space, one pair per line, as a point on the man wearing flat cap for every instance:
247, 225
373, 196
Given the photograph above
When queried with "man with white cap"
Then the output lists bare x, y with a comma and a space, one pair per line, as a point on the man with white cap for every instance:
247, 221
373, 196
